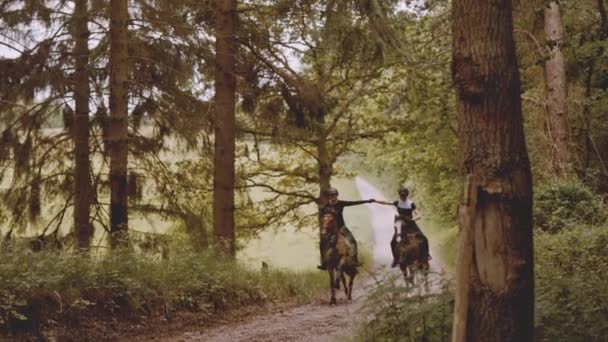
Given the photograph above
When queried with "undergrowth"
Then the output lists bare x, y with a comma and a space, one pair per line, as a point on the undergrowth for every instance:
37, 287
394, 313
571, 295
572, 284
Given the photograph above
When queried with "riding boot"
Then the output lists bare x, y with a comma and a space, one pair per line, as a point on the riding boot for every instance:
394, 251
322, 266
425, 247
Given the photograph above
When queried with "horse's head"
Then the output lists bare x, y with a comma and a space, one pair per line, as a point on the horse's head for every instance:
328, 222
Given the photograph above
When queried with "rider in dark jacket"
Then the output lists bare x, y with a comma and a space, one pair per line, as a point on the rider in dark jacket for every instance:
407, 209
336, 207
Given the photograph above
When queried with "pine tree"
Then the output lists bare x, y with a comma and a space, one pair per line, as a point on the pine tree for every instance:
80, 129
118, 135
224, 125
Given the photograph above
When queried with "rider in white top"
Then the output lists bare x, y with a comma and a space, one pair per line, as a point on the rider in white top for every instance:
407, 208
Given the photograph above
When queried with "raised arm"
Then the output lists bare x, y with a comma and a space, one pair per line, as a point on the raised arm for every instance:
385, 203
351, 203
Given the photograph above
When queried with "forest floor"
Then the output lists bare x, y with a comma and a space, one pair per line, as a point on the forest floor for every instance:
317, 321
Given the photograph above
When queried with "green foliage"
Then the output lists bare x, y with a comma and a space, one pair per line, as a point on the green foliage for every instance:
421, 150
398, 315
572, 284
571, 294
562, 204
37, 286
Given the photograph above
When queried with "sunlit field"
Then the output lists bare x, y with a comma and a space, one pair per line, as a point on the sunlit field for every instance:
288, 248
284, 247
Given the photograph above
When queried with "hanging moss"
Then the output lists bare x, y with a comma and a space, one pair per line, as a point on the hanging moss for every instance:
68, 118
22, 156
6, 140
134, 188
34, 199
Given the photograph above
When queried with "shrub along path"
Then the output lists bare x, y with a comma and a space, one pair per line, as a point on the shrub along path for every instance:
319, 321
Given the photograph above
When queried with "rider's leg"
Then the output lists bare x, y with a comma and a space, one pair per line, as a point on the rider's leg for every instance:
394, 251
425, 246
322, 245
425, 242
351, 238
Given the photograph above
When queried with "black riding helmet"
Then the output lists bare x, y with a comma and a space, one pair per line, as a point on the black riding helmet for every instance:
403, 191
332, 192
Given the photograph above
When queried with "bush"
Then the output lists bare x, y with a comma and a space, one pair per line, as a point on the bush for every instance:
566, 203
572, 285
394, 314
37, 286
571, 295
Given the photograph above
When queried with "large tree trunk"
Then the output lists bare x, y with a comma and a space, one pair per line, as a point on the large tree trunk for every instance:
224, 124
118, 122
325, 171
80, 130
494, 289
556, 94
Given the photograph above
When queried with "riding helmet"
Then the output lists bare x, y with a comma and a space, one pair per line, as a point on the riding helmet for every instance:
332, 191
403, 191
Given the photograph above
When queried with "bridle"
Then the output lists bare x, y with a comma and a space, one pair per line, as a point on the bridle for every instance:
328, 222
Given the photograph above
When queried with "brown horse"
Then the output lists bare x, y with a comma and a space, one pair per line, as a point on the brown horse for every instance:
338, 256
409, 248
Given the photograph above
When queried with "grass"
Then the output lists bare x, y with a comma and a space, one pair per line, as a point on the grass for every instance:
38, 287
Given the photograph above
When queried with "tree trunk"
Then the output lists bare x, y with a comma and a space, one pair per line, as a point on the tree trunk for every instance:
556, 94
494, 281
80, 130
224, 125
603, 19
325, 171
118, 122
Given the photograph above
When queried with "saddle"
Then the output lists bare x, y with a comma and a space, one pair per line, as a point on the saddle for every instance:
331, 237
407, 228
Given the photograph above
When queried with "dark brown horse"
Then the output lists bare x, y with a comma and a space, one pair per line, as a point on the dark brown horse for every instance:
338, 256
412, 257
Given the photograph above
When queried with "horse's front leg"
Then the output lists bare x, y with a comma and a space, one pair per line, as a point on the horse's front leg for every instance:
332, 300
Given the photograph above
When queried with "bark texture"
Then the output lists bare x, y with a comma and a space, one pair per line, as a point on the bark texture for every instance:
601, 7
80, 130
325, 171
224, 125
494, 294
118, 122
556, 94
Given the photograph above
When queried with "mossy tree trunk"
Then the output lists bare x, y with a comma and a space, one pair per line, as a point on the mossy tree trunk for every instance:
556, 95
494, 294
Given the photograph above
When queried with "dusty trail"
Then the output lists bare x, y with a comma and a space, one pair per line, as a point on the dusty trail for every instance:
318, 322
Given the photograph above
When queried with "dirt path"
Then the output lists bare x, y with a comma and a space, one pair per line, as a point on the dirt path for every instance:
318, 321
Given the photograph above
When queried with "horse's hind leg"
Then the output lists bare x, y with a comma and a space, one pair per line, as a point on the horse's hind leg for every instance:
350, 286
343, 279
408, 276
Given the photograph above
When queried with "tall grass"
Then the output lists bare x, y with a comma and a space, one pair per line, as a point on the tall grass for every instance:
37, 286
396, 313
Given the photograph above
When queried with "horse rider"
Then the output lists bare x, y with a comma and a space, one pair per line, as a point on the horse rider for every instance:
336, 207
407, 210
